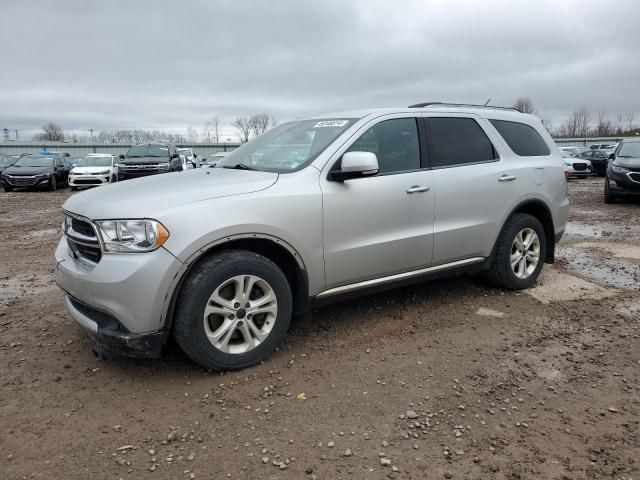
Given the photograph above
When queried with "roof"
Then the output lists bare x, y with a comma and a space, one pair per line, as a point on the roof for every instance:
498, 113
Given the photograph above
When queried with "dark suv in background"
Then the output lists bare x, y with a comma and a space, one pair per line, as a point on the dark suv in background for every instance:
623, 172
149, 159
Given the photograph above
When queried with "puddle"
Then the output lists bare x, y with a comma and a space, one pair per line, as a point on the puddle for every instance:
49, 232
631, 252
609, 271
603, 230
556, 286
629, 308
22, 285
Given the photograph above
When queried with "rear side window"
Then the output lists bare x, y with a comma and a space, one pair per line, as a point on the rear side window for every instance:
521, 138
457, 141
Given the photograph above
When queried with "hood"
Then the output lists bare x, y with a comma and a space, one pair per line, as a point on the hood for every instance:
632, 162
14, 170
146, 197
81, 170
139, 160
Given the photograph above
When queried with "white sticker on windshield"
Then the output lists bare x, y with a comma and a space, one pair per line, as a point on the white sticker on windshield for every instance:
331, 123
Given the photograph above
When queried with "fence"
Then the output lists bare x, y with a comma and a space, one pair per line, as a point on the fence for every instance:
82, 149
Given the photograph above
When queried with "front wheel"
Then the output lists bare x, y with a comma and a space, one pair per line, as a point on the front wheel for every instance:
53, 186
609, 197
8, 189
233, 310
520, 253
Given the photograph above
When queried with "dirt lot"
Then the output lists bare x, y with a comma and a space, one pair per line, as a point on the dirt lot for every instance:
452, 379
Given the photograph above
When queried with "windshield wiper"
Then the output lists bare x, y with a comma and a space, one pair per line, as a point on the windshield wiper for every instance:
240, 166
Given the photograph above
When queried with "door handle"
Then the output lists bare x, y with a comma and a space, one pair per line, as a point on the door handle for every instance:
506, 178
418, 189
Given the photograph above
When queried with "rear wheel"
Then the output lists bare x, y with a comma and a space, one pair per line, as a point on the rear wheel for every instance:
520, 253
609, 196
233, 310
53, 186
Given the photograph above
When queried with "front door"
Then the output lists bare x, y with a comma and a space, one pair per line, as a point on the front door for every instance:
380, 225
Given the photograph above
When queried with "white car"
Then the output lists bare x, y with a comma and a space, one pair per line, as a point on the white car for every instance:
210, 161
94, 169
577, 167
190, 158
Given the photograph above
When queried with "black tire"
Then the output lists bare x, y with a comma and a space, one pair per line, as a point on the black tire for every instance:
501, 273
52, 186
609, 197
74, 189
188, 325
113, 179
8, 189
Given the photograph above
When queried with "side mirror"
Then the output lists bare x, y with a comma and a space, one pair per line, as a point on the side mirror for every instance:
612, 156
356, 165
121, 156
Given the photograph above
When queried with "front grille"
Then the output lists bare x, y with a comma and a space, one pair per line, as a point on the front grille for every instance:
87, 181
22, 180
82, 227
635, 177
579, 166
82, 240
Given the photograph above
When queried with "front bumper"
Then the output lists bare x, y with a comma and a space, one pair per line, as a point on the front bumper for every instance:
107, 332
24, 181
88, 180
623, 183
127, 290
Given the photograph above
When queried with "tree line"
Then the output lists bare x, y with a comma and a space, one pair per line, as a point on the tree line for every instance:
246, 127
581, 123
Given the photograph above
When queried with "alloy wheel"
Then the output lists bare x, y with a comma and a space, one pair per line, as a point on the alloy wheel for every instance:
525, 253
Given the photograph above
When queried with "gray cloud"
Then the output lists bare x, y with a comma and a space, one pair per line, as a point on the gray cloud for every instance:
168, 65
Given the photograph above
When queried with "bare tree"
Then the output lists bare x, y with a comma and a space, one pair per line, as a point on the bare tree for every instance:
193, 134
524, 105
244, 127
259, 123
215, 128
51, 133
604, 127
629, 116
619, 123
273, 121
547, 124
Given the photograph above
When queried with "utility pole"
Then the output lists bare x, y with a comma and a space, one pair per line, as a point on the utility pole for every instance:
91, 130
17, 135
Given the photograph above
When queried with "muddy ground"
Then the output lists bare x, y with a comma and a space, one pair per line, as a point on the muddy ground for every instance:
451, 379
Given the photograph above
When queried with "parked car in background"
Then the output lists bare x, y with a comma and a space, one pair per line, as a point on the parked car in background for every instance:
149, 159
190, 156
222, 258
573, 151
210, 161
603, 146
186, 164
94, 169
6, 160
39, 171
623, 172
599, 160
577, 167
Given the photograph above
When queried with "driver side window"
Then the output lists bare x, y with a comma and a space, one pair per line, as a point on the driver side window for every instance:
395, 143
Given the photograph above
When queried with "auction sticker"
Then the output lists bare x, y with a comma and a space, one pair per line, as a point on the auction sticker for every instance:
331, 123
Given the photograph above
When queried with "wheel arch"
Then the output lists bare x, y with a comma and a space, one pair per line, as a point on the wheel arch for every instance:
538, 209
273, 248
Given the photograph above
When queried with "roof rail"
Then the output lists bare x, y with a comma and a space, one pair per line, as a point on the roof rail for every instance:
447, 104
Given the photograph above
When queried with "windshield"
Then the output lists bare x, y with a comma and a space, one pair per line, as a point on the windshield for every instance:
631, 149
6, 160
185, 151
287, 147
94, 162
34, 162
148, 151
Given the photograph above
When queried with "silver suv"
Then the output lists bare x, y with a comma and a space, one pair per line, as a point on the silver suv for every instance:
308, 213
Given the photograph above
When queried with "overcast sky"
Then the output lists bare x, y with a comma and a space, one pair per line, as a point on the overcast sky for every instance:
169, 65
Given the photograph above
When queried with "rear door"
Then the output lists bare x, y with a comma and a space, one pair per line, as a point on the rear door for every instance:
475, 185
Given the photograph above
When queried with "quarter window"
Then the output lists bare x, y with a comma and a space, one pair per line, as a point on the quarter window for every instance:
521, 138
395, 143
457, 141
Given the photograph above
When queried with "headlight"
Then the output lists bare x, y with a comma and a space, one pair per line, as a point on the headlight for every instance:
132, 235
618, 169
44, 175
102, 172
